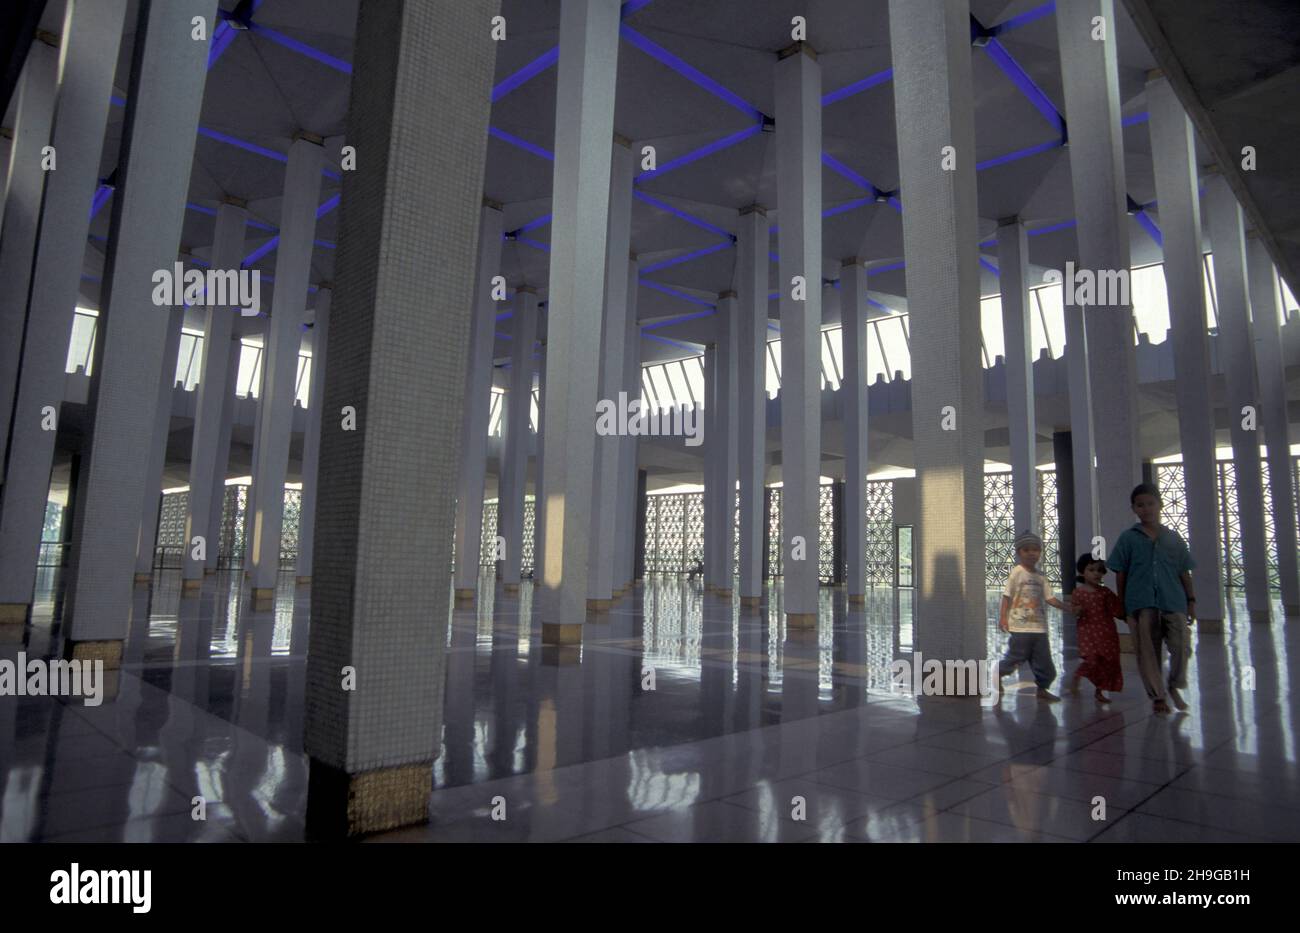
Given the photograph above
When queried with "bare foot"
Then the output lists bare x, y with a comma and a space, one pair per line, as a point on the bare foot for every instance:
1101, 697
1161, 707
1048, 696
1074, 686
1179, 703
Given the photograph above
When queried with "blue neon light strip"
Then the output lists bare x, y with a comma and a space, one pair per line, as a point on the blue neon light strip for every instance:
241, 144
191, 206
889, 268
521, 143
535, 244
102, 194
272, 243
690, 348
1135, 119
702, 224
534, 224
222, 36
1150, 227
667, 290
1052, 228
989, 266
1020, 78
678, 260
690, 73
526, 73
709, 149
678, 320
1019, 154
857, 87
848, 206
840, 168
631, 6
302, 48
1024, 19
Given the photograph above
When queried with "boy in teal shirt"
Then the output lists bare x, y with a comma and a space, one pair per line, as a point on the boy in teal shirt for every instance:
1153, 570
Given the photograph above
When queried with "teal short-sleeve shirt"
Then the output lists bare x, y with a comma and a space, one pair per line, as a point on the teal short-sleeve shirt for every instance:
1153, 568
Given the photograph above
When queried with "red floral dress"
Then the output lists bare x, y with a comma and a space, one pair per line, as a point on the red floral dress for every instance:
1096, 609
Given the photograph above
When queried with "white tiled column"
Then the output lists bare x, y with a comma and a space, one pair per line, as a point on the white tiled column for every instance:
478, 392
725, 447
91, 36
584, 124
518, 437
751, 421
157, 460
934, 109
215, 396
1092, 106
1013, 274
799, 203
1173, 151
627, 465
853, 390
221, 459
24, 184
399, 342
280, 362
1237, 346
137, 337
1265, 308
604, 522
710, 457
320, 335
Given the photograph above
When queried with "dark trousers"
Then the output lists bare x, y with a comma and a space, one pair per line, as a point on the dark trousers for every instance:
1034, 648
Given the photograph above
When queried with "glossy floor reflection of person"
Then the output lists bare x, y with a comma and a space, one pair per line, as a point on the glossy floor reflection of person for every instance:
682, 718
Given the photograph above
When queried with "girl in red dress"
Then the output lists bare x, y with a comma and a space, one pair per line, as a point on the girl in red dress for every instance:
1096, 608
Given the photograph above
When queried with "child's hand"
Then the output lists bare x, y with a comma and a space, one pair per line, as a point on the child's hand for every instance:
1002, 624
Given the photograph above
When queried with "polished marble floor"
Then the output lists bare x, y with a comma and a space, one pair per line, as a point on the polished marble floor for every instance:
683, 719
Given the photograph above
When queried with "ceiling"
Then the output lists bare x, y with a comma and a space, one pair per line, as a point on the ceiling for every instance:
290, 71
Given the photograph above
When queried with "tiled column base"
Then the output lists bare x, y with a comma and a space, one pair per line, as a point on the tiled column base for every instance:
857, 599
561, 633
340, 805
598, 605
263, 597
464, 597
13, 613
1209, 626
302, 581
751, 601
110, 652
144, 578
511, 587
190, 587
209, 572
1261, 616
722, 591
1291, 612
801, 620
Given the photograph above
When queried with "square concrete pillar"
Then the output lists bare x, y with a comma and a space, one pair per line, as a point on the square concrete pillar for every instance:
934, 109
751, 410
398, 348
799, 203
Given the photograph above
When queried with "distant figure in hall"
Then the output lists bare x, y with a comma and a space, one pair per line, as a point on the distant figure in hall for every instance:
1096, 609
1022, 614
696, 571
1153, 574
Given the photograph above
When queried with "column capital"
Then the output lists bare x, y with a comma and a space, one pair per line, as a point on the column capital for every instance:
621, 140
494, 205
631, 256
526, 290
1211, 169
7, 132
233, 201
753, 209
309, 137
325, 287
795, 48
49, 38
850, 261
1155, 74
727, 294
1010, 221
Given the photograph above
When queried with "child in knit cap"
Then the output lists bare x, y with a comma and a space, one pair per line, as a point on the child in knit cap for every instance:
1022, 614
